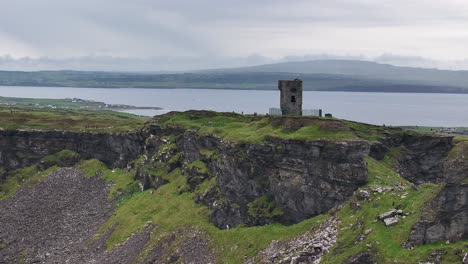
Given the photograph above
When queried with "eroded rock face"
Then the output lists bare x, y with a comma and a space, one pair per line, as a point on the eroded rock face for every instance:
421, 157
302, 179
446, 216
24, 148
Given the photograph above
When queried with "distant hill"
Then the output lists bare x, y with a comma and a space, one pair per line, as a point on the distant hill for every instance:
362, 69
320, 75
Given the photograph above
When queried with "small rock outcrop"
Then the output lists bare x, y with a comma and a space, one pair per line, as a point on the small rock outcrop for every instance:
390, 218
24, 148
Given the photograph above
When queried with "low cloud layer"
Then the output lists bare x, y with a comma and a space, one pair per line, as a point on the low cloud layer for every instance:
184, 34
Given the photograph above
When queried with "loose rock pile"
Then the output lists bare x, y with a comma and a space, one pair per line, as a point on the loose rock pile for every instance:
390, 218
307, 248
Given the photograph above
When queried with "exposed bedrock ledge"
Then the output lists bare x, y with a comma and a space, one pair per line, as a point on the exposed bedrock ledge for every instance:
24, 148
301, 178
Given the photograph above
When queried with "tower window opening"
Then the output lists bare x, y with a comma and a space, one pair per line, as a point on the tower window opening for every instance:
293, 99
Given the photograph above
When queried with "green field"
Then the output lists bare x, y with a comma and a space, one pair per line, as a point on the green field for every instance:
13, 118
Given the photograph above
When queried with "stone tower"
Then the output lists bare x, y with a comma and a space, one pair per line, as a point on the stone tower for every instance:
291, 96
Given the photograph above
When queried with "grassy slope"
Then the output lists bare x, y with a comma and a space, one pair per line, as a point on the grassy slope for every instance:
385, 243
71, 120
172, 210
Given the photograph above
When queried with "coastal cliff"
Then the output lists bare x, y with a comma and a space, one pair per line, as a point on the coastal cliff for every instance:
238, 172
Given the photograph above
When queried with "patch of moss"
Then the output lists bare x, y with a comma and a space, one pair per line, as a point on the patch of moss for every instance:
64, 157
263, 208
176, 158
460, 151
28, 176
200, 167
206, 186
166, 147
2, 246
209, 153
122, 181
370, 132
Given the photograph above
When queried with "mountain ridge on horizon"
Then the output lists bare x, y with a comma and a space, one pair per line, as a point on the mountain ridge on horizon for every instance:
325, 75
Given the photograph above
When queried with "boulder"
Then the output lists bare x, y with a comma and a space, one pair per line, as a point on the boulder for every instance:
391, 221
363, 195
388, 214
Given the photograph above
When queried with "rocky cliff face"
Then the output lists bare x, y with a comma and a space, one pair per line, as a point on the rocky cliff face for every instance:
279, 180
23, 148
421, 158
446, 217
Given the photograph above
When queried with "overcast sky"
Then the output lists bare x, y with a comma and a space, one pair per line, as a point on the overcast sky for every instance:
186, 34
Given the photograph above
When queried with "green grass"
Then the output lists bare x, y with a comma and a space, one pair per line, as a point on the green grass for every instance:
200, 166
62, 157
123, 183
370, 132
206, 186
460, 151
209, 153
69, 120
263, 208
255, 129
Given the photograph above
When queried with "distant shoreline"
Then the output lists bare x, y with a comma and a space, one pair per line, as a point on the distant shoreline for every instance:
67, 104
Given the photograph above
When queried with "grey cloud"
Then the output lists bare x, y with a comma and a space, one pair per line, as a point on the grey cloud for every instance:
208, 33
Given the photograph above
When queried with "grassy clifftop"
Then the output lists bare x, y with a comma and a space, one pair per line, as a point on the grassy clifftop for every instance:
255, 128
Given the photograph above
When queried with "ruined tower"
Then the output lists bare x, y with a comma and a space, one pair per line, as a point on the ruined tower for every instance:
291, 96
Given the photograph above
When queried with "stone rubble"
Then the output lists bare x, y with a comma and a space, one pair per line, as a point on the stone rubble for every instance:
307, 248
381, 189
